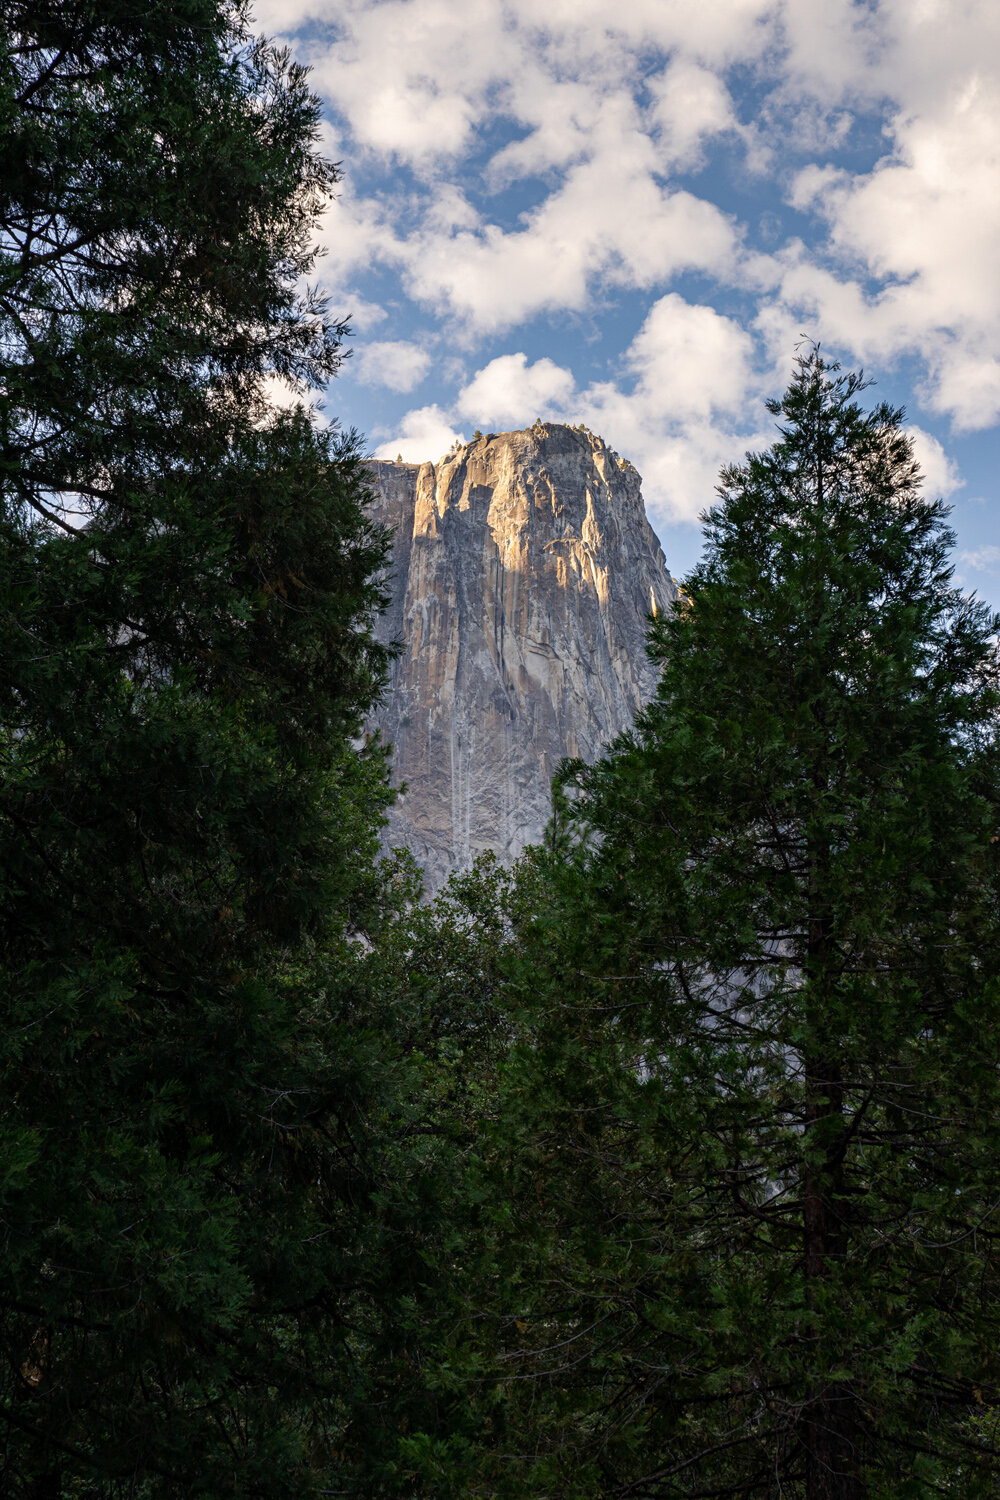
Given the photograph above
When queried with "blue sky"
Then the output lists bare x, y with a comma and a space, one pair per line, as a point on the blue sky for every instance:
627, 213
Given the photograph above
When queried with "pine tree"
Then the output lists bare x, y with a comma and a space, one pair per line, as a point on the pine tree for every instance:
187, 582
753, 1160
435, 981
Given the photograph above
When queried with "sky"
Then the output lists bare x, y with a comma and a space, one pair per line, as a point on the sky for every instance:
629, 213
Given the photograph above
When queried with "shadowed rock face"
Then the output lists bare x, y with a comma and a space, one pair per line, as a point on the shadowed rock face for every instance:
523, 574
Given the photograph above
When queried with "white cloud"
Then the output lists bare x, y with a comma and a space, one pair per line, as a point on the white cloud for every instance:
691, 104
284, 395
679, 460
610, 222
941, 474
832, 49
714, 33
560, 116
397, 364
510, 392
354, 234
283, 16
425, 433
413, 79
690, 408
362, 313
416, 80
607, 102
690, 360
924, 223
981, 559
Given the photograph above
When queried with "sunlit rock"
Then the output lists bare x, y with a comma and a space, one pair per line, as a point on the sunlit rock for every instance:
523, 576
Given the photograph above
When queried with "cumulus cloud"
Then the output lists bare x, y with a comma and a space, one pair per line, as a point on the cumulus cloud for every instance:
415, 78
417, 81
691, 104
412, 79
941, 475
691, 407
508, 392
425, 433
607, 223
363, 314
286, 395
281, 393
354, 234
530, 151
394, 363
921, 227
832, 50
690, 360
284, 16
559, 115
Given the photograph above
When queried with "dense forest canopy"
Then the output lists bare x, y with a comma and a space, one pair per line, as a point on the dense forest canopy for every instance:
666, 1164
760, 1073
187, 584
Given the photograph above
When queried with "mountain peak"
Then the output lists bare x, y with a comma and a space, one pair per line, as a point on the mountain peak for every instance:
523, 574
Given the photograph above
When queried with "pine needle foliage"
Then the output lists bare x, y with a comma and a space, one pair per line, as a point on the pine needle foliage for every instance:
751, 1159
187, 583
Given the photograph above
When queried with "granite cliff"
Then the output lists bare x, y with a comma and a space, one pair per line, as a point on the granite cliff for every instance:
523, 573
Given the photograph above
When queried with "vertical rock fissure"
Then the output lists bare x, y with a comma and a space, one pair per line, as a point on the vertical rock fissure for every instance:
522, 579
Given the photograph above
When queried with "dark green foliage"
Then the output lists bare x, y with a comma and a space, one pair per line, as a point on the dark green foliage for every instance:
752, 1159
186, 660
437, 982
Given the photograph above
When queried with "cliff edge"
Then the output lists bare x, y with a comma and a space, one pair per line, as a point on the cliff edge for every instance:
523, 574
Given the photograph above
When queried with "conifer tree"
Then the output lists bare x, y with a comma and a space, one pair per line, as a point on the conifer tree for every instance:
751, 1184
187, 582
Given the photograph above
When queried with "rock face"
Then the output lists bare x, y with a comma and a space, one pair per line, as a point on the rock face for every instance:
523, 573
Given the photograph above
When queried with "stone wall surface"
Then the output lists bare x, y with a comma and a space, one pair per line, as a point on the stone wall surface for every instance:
523, 573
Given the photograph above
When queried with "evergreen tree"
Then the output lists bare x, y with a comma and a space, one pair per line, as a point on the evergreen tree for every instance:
187, 580
436, 981
753, 1144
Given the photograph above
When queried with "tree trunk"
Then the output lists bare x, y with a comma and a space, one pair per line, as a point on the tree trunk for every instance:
831, 1454
829, 1428
829, 1418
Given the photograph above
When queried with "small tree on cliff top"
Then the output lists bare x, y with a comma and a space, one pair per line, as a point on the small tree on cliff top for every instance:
764, 1092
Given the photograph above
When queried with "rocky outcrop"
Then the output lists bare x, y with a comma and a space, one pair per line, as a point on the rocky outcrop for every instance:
522, 578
